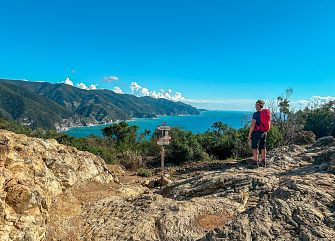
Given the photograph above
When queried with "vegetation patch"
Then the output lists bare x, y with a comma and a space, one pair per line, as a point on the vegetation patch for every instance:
121, 144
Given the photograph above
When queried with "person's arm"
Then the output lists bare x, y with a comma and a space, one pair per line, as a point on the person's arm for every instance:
253, 123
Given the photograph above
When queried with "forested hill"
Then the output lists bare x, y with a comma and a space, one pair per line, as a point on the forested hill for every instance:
17, 103
46, 105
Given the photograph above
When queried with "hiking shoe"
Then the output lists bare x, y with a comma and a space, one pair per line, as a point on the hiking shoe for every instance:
262, 163
254, 163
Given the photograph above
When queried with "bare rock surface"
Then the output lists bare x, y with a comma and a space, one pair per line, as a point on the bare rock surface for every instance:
34, 173
53, 192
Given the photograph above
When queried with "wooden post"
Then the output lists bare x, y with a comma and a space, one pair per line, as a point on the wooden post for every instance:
162, 162
163, 140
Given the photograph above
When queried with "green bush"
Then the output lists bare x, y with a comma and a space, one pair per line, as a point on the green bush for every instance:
274, 138
184, 147
15, 126
224, 142
124, 134
149, 148
321, 121
131, 160
144, 172
121, 143
242, 147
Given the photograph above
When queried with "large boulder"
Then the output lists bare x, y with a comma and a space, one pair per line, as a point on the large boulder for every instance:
34, 172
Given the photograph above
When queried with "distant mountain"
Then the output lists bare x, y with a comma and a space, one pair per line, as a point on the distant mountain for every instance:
42, 104
20, 104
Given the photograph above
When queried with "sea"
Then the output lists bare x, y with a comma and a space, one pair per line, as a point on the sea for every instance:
195, 123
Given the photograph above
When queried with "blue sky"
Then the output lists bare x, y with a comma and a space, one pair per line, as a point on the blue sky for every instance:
211, 53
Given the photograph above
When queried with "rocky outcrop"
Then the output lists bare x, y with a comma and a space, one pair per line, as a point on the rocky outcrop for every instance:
34, 173
53, 192
292, 198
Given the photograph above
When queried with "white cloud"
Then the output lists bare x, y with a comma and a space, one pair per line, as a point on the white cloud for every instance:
135, 87
314, 101
248, 104
93, 87
84, 87
224, 101
68, 81
145, 92
178, 97
223, 104
111, 78
303, 102
117, 90
323, 99
142, 91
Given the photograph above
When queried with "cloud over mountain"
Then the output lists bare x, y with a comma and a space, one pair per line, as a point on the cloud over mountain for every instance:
80, 85
84, 87
67, 81
118, 90
161, 93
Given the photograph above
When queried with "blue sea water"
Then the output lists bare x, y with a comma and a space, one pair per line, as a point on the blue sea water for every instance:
195, 123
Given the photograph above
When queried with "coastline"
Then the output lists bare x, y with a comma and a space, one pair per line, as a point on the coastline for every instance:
67, 128
195, 123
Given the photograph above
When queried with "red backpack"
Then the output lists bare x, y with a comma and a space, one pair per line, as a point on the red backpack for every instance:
265, 124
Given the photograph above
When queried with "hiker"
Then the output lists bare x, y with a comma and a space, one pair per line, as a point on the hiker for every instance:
260, 125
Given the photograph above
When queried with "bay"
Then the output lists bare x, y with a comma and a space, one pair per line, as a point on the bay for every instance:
195, 123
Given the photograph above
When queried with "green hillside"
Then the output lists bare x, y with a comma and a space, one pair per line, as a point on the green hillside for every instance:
46, 104
18, 103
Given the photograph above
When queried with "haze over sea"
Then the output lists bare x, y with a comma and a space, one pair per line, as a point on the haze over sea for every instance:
195, 123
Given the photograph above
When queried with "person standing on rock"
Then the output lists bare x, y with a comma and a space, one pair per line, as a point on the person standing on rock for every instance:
260, 125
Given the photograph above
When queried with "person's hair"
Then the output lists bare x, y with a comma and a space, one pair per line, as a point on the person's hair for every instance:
261, 103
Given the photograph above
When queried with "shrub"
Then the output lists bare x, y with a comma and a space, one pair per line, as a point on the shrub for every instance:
124, 134
304, 138
274, 138
224, 142
321, 120
242, 147
149, 148
144, 172
15, 126
218, 146
184, 147
131, 160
